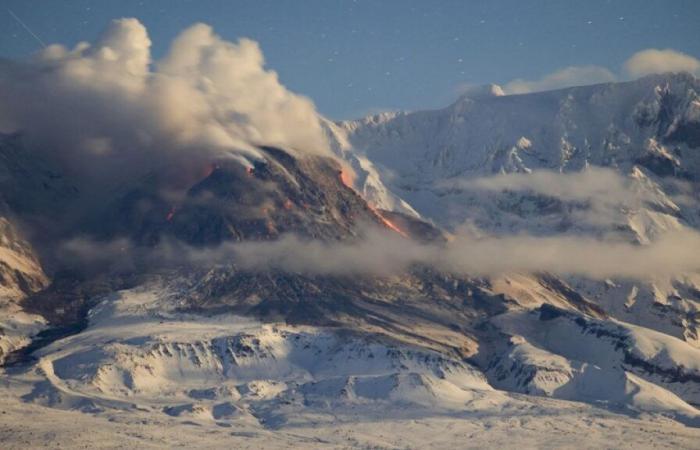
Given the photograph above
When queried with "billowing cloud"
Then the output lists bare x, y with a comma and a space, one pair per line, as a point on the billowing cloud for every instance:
652, 61
106, 108
568, 76
644, 62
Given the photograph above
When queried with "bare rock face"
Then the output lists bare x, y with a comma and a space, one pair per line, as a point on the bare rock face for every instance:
21, 275
20, 271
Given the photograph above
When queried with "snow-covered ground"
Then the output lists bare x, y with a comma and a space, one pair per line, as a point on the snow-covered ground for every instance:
143, 375
522, 423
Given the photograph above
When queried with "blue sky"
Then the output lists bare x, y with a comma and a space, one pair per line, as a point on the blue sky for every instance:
354, 57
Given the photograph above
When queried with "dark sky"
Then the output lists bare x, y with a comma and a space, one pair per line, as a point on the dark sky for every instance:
355, 57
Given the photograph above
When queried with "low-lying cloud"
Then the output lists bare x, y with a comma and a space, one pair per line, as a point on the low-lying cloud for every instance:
382, 253
596, 195
106, 109
597, 183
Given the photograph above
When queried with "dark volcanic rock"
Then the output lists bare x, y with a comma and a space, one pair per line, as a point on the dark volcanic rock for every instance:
280, 194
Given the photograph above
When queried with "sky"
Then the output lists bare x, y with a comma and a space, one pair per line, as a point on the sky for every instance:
353, 58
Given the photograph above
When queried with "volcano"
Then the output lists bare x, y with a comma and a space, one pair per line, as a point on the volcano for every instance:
134, 302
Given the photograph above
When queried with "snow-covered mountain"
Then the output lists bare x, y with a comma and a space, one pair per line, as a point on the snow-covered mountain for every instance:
650, 123
486, 162
152, 319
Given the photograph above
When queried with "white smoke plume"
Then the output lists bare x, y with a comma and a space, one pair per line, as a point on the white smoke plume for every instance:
106, 108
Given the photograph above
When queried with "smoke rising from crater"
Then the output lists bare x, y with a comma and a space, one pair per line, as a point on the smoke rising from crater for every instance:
105, 109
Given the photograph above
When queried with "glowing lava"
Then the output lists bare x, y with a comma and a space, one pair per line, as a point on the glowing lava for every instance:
171, 213
346, 178
388, 223
208, 170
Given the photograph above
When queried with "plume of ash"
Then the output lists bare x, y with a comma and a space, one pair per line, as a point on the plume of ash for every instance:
105, 110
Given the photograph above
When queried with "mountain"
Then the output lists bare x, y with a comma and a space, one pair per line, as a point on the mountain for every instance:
20, 275
280, 300
643, 130
650, 123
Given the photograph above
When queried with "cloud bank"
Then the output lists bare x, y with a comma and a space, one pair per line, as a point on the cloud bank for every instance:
385, 254
652, 61
107, 108
596, 195
568, 76
645, 62
382, 253
594, 183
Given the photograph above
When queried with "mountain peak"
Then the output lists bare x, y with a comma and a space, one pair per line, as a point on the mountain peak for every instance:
482, 91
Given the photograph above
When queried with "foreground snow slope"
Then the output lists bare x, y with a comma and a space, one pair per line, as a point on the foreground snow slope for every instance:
141, 368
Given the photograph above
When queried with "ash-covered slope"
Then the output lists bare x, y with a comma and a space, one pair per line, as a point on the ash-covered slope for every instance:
159, 226
21, 273
275, 195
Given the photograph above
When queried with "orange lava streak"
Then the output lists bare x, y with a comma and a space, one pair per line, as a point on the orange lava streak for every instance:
346, 178
388, 223
208, 169
393, 227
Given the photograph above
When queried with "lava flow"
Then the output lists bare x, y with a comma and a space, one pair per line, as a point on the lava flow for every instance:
346, 178
171, 213
388, 223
